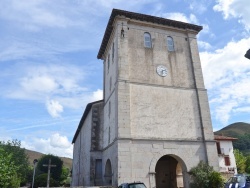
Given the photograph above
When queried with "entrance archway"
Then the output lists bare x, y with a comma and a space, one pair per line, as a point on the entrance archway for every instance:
108, 173
168, 173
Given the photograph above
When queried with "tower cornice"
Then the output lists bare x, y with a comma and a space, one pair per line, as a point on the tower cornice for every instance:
141, 17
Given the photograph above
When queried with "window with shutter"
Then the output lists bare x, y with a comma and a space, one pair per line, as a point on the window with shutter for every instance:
227, 161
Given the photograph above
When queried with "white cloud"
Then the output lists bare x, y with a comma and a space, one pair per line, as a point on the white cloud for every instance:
56, 144
242, 109
97, 95
225, 62
56, 86
227, 77
54, 108
180, 17
39, 83
235, 8
198, 6
204, 45
189, 19
59, 141
184, 18
33, 14
223, 112
61, 14
206, 29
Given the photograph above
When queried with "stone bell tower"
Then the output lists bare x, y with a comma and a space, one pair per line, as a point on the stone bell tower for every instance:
157, 123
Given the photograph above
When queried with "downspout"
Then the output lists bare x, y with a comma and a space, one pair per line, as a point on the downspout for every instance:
198, 100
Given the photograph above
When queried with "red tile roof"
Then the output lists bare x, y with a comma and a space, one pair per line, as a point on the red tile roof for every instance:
221, 137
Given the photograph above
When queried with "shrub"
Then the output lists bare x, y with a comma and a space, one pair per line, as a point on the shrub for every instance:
203, 176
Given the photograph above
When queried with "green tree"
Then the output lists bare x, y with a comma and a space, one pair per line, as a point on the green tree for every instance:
18, 157
248, 164
8, 177
41, 181
203, 176
55, 171
240, 161
65, 174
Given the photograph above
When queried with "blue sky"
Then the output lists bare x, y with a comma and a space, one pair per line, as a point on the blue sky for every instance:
49, 70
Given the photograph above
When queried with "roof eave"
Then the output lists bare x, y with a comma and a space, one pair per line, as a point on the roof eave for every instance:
141, 17
84, 116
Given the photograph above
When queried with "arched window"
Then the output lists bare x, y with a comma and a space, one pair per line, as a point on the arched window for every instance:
170, 44
147, 40
108, 173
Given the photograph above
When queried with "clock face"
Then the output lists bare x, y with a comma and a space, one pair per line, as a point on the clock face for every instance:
162, 70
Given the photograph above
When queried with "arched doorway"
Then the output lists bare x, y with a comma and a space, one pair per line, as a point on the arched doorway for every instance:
168, 173
108, 173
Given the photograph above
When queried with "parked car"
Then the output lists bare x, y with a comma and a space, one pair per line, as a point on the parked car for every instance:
238, 181
132, 185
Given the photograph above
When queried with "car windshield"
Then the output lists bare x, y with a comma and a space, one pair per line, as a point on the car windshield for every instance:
136, 185
237, 179
248, 178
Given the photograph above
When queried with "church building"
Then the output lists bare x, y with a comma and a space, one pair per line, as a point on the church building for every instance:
153, 124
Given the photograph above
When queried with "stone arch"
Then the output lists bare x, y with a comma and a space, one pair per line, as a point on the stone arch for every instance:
108, 173
181, 175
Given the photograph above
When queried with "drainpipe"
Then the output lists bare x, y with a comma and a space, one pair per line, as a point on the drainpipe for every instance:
198, 100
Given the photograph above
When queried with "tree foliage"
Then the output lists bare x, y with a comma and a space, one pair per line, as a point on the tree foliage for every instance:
8, 177
55, 172
203, 176
41, 181
243, 142
65, 179
240, 161
248, 164
18, 158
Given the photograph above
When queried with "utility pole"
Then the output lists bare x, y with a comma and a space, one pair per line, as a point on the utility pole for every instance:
49, 166
34, 162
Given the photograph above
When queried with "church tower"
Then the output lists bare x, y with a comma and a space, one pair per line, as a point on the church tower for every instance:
157, 123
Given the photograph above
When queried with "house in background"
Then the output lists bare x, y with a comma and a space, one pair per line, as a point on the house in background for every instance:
227, 163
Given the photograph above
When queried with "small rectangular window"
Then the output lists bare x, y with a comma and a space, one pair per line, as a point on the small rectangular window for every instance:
227, 160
